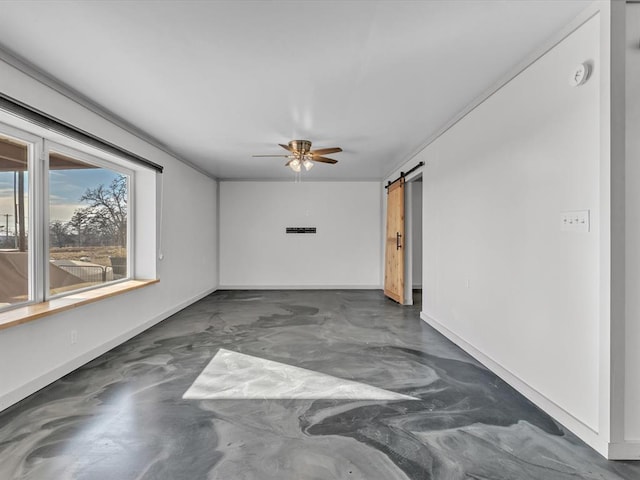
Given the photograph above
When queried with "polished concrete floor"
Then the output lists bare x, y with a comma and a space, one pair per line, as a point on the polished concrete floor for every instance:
290, 386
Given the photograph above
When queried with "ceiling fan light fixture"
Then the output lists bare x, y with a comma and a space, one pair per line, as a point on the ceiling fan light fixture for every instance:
295, 165
299, 154
308, 164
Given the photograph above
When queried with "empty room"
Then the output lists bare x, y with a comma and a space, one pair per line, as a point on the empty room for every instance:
312, 240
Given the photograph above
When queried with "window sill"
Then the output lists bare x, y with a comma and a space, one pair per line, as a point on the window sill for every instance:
28, 313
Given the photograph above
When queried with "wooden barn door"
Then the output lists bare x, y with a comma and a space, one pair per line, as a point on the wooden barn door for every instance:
394, 250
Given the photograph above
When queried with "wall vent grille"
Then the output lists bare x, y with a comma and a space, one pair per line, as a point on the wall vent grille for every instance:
301, 230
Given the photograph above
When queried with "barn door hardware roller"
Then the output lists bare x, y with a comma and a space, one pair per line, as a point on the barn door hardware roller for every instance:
404, 174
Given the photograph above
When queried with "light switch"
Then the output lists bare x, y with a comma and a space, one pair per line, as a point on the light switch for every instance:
575, 221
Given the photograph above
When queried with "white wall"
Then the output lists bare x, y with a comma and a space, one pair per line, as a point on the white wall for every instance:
536, 304
632, 336
494, 189
37, 353
256, 252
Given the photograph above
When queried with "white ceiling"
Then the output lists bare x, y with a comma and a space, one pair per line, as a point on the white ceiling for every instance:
217, 81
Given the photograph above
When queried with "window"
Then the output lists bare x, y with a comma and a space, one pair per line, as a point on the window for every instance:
14, 191
65, 219
87, 220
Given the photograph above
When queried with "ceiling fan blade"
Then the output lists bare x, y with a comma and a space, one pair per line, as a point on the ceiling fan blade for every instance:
324, 160
285, 156
286, 147
325, 151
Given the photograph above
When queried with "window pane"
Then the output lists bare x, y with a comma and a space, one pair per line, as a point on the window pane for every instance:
14, 262
87, 224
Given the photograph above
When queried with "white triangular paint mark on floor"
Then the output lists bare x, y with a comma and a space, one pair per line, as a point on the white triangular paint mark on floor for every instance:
233, 375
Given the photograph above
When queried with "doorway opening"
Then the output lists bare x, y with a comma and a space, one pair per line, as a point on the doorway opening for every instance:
413, 241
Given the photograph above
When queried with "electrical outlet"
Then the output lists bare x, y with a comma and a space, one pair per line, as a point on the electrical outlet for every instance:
575, 221
74, 337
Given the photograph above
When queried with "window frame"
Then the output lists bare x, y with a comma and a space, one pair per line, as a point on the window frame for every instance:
39, 146
34, 147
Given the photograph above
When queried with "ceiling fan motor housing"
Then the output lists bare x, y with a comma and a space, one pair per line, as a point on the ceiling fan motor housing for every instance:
300, 146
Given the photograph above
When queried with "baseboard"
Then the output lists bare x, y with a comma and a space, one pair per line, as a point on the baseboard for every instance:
582, 430
300, 287
629, 450
42, 381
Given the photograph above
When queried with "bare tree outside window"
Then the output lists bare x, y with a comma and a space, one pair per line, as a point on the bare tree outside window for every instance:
103, 222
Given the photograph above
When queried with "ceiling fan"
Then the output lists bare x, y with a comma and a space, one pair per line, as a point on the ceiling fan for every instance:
300, 155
